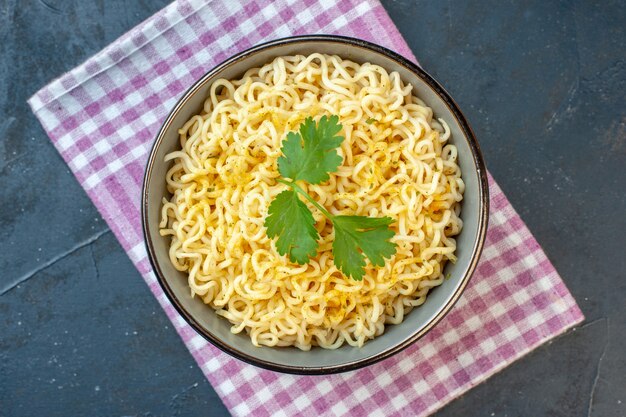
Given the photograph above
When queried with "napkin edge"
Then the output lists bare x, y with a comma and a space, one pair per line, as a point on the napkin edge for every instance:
119, 49
502, 365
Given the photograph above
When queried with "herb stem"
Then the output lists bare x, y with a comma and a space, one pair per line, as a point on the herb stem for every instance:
299, 190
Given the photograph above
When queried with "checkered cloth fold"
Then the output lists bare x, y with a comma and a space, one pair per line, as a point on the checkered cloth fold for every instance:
103, 117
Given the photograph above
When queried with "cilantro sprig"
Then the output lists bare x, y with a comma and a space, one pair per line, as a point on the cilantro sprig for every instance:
311, 156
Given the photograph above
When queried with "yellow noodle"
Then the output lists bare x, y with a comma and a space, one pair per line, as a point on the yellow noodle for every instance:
397, 163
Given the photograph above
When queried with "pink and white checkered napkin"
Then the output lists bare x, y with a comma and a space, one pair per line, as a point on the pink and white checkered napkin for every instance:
103, 117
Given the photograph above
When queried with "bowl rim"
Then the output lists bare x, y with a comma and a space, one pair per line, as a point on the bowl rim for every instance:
483, 201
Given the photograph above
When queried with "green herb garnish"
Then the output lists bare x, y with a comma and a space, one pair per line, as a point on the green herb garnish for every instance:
311, 156
370, 120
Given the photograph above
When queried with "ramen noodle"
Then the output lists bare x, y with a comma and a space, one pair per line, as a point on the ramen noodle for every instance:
397, 162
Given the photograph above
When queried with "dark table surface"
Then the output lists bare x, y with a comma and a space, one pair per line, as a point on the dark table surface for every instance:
542, 82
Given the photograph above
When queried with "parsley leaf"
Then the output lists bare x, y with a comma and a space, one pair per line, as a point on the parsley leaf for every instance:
310, 155
370, 120
360, 236
291, 220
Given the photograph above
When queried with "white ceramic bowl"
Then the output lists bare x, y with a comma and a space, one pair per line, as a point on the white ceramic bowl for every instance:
396, 337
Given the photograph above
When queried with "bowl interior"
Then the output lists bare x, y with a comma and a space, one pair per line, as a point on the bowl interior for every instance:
216, 328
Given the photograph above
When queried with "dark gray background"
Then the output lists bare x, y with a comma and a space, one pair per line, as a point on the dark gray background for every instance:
543, 84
